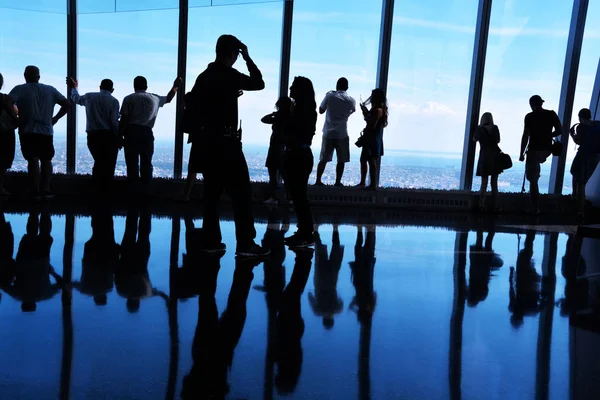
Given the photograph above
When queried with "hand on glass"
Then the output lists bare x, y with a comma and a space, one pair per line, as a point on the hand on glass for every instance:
72, 82
522, 157
177, 83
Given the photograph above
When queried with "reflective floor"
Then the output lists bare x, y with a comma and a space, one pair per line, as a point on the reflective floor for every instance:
125, 307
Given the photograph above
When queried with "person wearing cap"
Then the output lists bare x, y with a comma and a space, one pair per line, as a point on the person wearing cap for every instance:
339, 106
541, 127
102, 127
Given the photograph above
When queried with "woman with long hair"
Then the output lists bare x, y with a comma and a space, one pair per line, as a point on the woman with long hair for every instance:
372, 138
298, 159
488, 136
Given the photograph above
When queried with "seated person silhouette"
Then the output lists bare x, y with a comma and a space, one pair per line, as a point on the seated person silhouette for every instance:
100, 258
525, 289
7, 247
325, 301
216, 338
363, 270
131, 277
33, 270
483, 261
288, 354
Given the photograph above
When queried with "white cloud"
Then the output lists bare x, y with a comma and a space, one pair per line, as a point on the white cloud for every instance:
427, 108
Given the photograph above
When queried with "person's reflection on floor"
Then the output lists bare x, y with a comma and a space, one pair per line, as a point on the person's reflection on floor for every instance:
576, 291
131, 276
33, 270
274, 272
483, 261
525, 290
216, 338
363, 303
7, 248
325, 302
363, 269
290, 326
100, 258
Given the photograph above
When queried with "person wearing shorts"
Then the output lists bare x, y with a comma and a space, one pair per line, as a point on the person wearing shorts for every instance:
35, 102
541, 127
339, 106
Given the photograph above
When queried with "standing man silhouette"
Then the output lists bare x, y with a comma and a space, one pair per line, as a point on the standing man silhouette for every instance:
102, 113
36, 102
138, 115
541, 126
339, 106
218, 150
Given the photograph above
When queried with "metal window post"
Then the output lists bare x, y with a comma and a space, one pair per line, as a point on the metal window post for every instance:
286, 47
595, 102
567, 91
383, 62
484, 14
71, 71
181, 70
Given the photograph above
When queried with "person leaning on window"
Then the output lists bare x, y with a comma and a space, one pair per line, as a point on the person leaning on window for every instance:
138, 115
36, 102
372, 138
102, 113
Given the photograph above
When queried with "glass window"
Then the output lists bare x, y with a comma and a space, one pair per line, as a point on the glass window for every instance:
430, 67
525, 56
333, 39
259, 27
588, 65
120, 46
44, 44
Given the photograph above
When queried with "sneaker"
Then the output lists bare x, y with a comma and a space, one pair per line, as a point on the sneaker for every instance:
296, 240
252, 251
214, 248
47, 195
271, 201
339, 184
319, 184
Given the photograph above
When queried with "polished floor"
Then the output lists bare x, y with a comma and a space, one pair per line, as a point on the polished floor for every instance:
125, 307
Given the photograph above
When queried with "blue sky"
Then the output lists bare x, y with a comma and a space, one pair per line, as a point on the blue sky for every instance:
430, 61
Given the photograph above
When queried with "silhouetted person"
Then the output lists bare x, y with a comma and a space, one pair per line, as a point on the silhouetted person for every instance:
525, 287
36, 102
339, 106
102, 127
216, 338
9, 121
131, 277
33, 270
7, 248
217, 147
541, 126
576, 291
483, 261
138, 115
279, 121
325, 302
372, 138
587, 135
100, 258
363, 303
298, 159
488, 166
290, 326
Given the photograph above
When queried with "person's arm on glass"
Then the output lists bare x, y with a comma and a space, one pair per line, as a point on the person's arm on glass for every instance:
173, 91
524, 142
75, 96
65, 106
557, 126
255, 80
